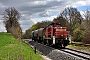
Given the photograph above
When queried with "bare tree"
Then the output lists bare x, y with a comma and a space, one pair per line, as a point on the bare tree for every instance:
87, 19
86, 26
73, 16
60, 19
11, 17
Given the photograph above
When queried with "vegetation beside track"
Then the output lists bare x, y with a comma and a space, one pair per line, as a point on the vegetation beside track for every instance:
11, 49
80, 46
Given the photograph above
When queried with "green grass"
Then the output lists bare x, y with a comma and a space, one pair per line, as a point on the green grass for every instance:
79, 46
11, 49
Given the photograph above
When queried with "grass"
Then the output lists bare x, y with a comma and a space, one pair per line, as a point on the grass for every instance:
11, 49
79, 46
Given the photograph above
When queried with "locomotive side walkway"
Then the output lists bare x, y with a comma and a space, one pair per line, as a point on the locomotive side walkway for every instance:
53, 54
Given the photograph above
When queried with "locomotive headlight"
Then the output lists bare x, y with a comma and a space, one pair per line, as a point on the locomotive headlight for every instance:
66, 38
62, 35
61, 27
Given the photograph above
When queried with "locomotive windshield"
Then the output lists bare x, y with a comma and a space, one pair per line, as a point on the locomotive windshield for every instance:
54, 25
50, 26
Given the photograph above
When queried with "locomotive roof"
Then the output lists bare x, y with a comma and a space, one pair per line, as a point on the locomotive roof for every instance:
54, 23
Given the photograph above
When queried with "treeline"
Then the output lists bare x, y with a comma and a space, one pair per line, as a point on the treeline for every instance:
77, 25
38, 25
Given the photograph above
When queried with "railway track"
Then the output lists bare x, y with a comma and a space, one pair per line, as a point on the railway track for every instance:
78, 53
71, 52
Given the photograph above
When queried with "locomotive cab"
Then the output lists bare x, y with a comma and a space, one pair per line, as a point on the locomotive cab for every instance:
56, 34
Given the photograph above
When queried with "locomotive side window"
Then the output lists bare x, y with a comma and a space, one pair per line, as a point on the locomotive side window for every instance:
58, 25
51, 26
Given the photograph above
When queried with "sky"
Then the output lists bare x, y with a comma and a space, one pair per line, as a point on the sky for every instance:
33, 11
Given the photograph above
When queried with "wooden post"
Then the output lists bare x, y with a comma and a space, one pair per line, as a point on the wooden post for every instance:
35, 48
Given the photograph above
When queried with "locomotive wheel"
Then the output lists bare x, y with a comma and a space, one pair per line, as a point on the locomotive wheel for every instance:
44, 41
60, 46
63, 44
49, 42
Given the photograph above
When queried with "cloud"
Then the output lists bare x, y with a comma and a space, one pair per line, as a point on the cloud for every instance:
79, 3
45, 13
43, 19
33, 11
82, 13
2, 27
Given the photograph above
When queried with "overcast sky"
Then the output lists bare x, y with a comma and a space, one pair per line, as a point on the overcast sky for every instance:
33, 11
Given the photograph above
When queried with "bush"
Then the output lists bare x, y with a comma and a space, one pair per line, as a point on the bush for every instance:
87, 39
78, 33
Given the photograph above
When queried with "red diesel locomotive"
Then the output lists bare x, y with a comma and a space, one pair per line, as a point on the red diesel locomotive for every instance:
53, 34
